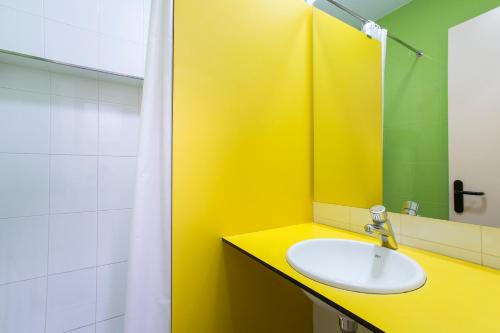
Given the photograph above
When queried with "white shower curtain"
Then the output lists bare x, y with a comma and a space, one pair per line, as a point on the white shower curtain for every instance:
373, 30
149, 277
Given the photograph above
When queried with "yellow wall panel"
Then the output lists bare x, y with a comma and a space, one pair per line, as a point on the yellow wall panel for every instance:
242, 152
347, 99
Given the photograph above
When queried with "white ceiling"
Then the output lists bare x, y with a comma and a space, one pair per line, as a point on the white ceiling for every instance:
370, 9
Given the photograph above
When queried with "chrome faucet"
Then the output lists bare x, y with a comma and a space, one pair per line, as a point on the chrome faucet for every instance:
382, 226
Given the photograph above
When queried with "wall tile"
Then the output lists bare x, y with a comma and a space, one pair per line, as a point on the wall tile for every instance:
333, 223
21, 32
122, 19
491, 240
119, 93
442, 249
30, 6
111, 290
86, 329
115, 325
118, 129
147, 15
121, 56
478, 244
74, 86
23, 306
80, 13
460, 235
23, 248
331, 212
116, 182
24, 122
73, 231
24, 185
24, 78
64, 43
75, 124
113, 234
73, 184
73, 241
71, 300
491, 261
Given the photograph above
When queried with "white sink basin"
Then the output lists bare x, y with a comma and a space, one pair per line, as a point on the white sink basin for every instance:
356, 266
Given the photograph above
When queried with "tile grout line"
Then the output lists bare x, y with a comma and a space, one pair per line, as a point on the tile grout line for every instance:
64, 213
97, 196
51, 93
45, 37
50, 210
75, 155
95, 324
65, 272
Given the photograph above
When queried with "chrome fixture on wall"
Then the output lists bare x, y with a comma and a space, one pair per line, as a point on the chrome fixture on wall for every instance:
410, 208
382, 226
364, 20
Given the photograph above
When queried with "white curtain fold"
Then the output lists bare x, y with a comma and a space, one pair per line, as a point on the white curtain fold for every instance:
149, 278
373, 30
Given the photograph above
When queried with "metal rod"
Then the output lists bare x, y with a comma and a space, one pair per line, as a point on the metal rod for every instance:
418, 52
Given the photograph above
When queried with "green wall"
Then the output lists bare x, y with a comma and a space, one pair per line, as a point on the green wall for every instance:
416, 102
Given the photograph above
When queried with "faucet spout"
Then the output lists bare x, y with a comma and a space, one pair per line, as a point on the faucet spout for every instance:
382, 227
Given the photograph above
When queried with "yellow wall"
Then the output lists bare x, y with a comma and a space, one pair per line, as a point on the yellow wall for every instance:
242, 159
347, 99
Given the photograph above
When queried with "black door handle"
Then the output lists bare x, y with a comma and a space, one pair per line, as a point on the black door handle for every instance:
458, 195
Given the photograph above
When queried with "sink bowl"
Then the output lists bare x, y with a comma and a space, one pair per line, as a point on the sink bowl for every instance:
356, 266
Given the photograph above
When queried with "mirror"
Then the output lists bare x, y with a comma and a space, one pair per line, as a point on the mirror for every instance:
434, 138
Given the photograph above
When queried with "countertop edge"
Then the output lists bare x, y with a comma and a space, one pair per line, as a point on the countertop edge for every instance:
306, 288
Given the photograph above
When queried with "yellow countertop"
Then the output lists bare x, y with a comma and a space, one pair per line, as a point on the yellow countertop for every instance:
457, 297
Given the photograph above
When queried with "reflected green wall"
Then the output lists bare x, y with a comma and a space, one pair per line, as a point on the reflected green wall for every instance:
416, 103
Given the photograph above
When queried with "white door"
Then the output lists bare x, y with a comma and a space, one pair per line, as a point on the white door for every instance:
474, 117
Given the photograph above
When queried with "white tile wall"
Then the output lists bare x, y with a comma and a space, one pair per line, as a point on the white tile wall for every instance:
23, 306
115, 325
111, 291
74, 86
103, 34
123, 19
74, 126
21, 78
86, 329
24, 185
477, 244
73, 183
79, 13
120, 94
118, 129
30, 6
116, 182
28, 125
21, 31
70, 44
23, 248
73, 241
67, 145
71, 300
113, 236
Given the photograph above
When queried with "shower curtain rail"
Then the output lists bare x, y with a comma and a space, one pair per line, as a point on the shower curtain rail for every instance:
418, 52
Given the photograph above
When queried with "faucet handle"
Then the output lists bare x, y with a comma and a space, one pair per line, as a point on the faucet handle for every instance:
379, 214
369, 229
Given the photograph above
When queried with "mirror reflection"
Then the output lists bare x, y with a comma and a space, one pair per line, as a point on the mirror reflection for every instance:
425, 123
